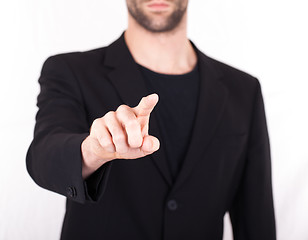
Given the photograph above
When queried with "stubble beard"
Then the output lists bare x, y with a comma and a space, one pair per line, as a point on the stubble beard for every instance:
148, 23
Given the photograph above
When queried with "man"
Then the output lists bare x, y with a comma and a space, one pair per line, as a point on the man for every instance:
135, 167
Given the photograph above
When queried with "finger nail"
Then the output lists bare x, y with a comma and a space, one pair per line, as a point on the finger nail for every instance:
155, 144
153, 96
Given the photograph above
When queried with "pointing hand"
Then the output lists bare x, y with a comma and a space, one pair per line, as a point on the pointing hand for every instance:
120, 134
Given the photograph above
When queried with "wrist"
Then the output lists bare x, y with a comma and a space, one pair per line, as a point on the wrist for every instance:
90, 161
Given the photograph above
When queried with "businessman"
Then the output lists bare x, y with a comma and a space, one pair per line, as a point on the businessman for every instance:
149, 138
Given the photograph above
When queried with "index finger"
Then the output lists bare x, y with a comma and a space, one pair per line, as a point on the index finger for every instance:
146, 105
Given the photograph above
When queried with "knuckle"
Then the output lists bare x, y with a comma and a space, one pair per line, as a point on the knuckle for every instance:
109, 114
122, 108
96, 122
106, 143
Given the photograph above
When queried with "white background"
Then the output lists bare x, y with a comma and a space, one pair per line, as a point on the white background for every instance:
267, 38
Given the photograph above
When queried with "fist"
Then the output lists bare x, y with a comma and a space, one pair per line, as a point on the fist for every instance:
120, 134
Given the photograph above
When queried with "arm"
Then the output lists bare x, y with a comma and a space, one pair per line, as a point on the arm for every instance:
252, 213
54, 157
64, 153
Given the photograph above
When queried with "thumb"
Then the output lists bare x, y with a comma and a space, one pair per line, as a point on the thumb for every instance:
146, 105
150, 144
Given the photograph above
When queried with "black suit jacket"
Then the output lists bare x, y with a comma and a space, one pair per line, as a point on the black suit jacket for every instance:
227, 166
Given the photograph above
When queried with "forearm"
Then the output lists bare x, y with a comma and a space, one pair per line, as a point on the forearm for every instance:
54, 163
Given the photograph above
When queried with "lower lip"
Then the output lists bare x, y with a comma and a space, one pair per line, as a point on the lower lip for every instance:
158, 6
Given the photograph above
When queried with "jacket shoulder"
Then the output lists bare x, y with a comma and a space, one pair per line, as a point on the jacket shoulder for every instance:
77, 59
240, 85
234, 78
231, 71
92, 53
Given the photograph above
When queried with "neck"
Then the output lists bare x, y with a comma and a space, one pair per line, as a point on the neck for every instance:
168, 53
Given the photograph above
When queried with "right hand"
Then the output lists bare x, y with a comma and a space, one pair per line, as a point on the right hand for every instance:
122, 134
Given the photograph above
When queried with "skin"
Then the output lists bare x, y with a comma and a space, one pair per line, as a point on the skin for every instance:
157, 39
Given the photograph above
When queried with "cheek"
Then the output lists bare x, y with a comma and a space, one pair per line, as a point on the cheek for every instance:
132, 4
182, 4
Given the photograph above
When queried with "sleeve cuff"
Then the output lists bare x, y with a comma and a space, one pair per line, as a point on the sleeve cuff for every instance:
95, 184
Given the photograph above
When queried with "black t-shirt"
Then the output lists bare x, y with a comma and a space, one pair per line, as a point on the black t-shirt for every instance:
175, 111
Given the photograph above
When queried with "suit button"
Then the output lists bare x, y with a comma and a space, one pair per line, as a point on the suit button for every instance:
71, 192
172, 205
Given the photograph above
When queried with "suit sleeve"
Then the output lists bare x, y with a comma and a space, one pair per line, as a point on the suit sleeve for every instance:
252, 213
54, 159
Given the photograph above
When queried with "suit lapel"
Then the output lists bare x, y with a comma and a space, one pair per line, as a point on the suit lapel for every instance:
211, 102
130, 85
